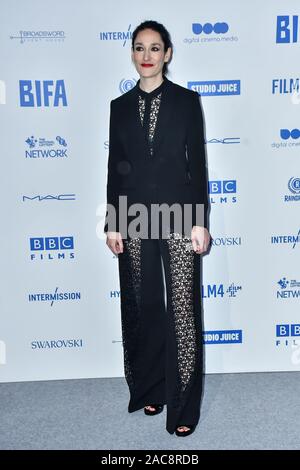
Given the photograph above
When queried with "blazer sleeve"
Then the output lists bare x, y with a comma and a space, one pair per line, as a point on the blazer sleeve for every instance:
196, 156
113, 176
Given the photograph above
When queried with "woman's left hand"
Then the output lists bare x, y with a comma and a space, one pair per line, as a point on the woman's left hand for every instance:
200, 239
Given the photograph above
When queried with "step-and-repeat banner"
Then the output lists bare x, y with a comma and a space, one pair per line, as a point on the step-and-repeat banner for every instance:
60, 65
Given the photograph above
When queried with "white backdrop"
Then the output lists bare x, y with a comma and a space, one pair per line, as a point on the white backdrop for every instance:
60, 65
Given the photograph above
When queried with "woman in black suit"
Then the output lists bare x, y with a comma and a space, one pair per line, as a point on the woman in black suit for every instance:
156, 156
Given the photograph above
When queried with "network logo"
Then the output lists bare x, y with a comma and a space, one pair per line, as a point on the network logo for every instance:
116, 35
223, 337
224, 140
57, 344
42, 93
288, 289
51, 248
126, 85
216, 87
281, 86
55, 296
46, 148
287, 29
50, 197
219, 290
294, 187
287, 333
226, 241
228, 188
286, 134
39, 36
209, 28
292, 240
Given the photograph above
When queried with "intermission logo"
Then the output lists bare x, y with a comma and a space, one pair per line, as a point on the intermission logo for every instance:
288, 288
289, 138
123, 36
49, 197
224, 140
286, 334
219, 290
205, 33
216, 87
57, 344
287, 29
126, 85
39, 36
226, 241
222, 191
46, 93
222, 337
55, 296
291, 240
50, 248
41, 147
281, 86
294, 187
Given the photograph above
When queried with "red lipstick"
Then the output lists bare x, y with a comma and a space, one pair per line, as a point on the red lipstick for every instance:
147, 65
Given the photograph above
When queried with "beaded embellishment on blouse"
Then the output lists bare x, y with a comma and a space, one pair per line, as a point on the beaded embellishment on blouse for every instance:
154, 108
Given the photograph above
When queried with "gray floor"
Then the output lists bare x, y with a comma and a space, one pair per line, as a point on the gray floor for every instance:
239, 411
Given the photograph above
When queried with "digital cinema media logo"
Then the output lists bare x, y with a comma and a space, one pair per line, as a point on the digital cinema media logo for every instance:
222, 191
223, 337
208, 32
288, 289
289, 139
42, 93
287, 29
51, 248
44, 148
216, 87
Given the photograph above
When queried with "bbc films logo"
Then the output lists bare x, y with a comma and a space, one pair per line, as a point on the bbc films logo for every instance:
287, 334
2, 353
51, 248
222, 191
287, 29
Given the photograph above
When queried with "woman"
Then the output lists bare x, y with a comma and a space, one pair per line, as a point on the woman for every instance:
157, 156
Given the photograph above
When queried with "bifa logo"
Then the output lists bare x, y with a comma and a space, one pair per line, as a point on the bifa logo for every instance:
287, 29
2, 92
45, 93
2, 353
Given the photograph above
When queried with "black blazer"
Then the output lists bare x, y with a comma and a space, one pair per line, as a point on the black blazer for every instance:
177, 170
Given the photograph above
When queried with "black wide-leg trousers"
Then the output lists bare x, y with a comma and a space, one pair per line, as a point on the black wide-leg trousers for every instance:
162, 341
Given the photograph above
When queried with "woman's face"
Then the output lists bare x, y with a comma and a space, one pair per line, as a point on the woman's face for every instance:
148, 53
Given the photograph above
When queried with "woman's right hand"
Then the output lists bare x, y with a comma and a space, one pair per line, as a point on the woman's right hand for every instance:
114, 242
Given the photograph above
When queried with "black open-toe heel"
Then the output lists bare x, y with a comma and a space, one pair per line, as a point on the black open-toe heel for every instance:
191, 427
158, 409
